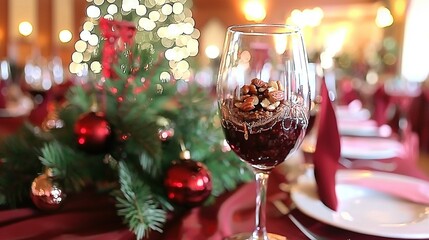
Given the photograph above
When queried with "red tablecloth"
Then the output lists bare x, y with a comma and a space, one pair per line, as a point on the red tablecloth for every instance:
92, 216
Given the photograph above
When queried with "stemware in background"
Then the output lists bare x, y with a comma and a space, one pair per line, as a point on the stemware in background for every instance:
402, 93
5, 80
264, 101
37, 79
12, 101
38, 82
57, 70
14, 106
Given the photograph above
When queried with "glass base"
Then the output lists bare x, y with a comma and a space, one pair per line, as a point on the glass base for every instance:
248, 236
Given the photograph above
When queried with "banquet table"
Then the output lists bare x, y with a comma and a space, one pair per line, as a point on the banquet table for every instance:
90, 216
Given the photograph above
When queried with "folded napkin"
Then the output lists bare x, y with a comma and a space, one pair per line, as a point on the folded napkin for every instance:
236, 213
381, 105
348, 92
40, 111
327, 153
2, 94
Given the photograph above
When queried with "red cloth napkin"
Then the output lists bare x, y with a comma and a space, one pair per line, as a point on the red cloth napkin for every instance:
424, 119
348, 93
40, 111
327, 151
381, 105
2, 92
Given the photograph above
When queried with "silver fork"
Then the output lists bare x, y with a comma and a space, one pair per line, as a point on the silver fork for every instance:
285, 210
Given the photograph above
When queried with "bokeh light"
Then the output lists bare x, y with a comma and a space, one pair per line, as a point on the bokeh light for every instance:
65, 36
254, 10
166, 25
25, 28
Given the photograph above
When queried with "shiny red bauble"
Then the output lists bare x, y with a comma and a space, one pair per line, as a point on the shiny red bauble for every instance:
188, 182
46, 194
93, 132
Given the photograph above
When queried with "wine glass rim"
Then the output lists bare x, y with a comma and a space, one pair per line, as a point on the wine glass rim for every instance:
251, 29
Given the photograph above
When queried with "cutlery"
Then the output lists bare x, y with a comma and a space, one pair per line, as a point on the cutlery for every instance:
285, 210
311, 235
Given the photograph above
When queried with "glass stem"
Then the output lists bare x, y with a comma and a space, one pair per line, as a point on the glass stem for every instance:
260, 232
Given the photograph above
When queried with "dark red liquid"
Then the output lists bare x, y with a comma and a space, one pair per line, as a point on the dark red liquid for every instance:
38, 96
268, 148
35, 93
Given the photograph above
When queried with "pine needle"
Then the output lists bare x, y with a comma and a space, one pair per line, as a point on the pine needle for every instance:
137, 205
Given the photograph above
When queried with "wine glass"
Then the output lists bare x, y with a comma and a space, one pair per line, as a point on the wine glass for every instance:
315, 78
37, 79
264, 102
5, 80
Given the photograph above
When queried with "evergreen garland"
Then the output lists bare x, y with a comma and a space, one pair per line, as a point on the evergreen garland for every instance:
135, 164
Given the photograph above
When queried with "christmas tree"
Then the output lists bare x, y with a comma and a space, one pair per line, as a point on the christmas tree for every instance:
165, 25
141, 130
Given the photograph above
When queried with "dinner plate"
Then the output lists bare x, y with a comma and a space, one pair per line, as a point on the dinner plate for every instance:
369, 148
367, 128
352, 113
363, 210
355, 129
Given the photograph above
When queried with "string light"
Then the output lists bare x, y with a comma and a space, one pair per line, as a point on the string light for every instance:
212, 51
307, 17
25, 28
166, 24
254, 10
384, 17
65, 36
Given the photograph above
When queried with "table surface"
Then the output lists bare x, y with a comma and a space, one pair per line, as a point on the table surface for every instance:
91, 216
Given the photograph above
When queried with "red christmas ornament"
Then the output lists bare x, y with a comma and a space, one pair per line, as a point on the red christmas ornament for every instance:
93, 132
188, 182
45, 193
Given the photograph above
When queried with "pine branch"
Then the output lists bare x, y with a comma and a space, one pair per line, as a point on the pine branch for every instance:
74, 167
150, 166
137, 205
78, 97
20, 164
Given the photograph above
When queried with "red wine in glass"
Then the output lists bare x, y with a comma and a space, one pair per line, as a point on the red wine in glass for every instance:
267, 148
35, 92
262, 136
37, 95
263, 92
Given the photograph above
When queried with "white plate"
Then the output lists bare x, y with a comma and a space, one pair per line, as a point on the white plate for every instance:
369, 148
363, 210
365, 128
352, 113
357, 129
